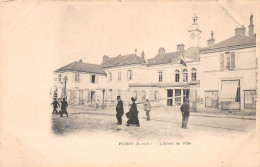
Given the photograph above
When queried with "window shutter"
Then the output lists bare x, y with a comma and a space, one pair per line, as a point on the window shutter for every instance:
233, 60
221, 61
90, 78
96, 79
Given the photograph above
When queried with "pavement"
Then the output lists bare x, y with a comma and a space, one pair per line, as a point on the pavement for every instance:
170, 110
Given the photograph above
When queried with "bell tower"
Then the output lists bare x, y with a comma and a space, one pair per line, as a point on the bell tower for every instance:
194, 31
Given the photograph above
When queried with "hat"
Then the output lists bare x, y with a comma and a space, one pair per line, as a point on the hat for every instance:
133, 99
118, 97
147, 99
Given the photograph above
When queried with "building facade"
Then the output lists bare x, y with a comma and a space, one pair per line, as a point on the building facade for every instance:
219, 76
79, 82
228, 78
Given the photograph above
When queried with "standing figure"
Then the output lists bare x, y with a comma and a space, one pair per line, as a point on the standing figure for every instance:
133, 118
119, 110
185, 114
55, 104
64, 105
147, 108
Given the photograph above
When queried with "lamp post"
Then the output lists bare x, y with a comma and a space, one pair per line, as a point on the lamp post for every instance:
103, 91
65, 79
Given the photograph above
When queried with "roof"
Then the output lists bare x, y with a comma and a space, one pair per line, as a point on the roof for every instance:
190, 53
122, 61
236, 42
82, 67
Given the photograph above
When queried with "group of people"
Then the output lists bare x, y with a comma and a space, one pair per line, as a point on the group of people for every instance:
56, 105
132, 115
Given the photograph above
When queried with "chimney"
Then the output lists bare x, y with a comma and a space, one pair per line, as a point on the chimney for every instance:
180, 47
80, 60
211, 41
241, 30
161, 51
105, 57
251, 27
135, 51
142, 57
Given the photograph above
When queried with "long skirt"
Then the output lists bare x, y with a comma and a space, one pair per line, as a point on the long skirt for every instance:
133, 119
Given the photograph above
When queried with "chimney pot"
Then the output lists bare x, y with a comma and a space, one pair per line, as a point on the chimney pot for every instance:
142, 57
161, 51
251, 27
241, 30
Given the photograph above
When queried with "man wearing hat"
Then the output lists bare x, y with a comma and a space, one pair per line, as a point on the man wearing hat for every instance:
185, 113
55, 105
119, 110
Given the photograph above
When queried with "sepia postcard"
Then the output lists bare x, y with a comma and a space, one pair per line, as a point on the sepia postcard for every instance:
129, 83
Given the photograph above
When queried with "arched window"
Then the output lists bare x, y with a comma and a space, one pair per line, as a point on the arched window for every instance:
177, 76
185, 75
193, 74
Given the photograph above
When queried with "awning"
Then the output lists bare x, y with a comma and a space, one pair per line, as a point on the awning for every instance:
228, 90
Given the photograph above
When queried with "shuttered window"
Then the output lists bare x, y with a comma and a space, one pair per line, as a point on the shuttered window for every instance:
233, 62
221, 61
227, 60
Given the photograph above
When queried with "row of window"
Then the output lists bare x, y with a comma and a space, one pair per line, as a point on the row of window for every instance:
184, 75
141, 96
177, 75
129, 75
93, 78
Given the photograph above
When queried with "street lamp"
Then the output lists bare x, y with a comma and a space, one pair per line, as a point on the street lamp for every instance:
103, 91
65, 79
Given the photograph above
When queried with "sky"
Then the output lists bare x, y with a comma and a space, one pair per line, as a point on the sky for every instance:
71, 30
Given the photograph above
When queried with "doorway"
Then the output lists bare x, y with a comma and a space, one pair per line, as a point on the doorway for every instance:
186, 94
169, 95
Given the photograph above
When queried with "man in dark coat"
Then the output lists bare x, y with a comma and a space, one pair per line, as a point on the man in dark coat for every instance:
55, 105
133, 118
64, 105
119, 110
185, 113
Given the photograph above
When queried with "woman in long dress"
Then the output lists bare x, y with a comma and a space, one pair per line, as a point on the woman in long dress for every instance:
133, 119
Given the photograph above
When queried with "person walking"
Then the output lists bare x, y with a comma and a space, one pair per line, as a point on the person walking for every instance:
55, 105
119, 110
64, 105
147, 108
185, 114
133, 114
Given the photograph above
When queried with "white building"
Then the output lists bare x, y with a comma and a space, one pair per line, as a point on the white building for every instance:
84, 82
167, 82
228, 72
122, 71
